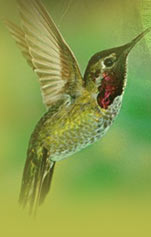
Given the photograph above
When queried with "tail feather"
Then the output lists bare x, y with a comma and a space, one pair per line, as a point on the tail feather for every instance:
36, 181
46, 184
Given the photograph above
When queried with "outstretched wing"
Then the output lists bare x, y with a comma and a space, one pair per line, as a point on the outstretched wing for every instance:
47, 52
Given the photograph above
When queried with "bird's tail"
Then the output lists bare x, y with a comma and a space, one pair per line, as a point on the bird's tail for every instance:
36, 181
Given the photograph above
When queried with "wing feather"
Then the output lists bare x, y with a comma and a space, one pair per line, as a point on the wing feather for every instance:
19, 37
47, 52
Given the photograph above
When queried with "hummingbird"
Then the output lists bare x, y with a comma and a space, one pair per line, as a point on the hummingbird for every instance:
80, 109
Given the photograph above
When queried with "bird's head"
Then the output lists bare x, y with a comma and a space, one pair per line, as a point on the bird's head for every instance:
105, 75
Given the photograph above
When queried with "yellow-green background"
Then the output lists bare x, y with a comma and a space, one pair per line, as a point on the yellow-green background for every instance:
104, 190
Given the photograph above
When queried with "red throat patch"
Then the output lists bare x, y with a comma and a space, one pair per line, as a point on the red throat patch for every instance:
110, 88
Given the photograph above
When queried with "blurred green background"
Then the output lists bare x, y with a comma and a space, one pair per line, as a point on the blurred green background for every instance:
104, 190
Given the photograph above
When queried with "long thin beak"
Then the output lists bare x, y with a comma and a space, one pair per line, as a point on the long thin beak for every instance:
131, 45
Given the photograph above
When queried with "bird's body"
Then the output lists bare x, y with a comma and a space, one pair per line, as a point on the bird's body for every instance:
80, 110
67, 128
64, 130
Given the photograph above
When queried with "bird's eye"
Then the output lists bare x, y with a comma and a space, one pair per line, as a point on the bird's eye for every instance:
108, 62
